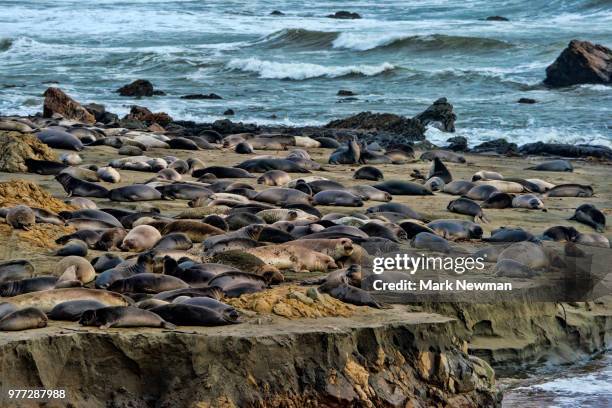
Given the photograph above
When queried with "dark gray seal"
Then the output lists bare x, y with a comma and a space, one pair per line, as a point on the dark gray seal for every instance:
194, 315
561, 233
72, 310
80, 188
368, 173
589, 215
438, 169
467, 207
510, 235
347, 154
147, 283
498, 200
58, 139
456, 229
223, 172
553, 165
264, 165
399, 187
44, 167
19, 287
174, 241
243, 148
283, 196
396, 208
15, 269
431, 242
183, 191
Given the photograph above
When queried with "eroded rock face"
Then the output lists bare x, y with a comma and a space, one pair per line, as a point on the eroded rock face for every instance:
499, 146
410, 129
16, 147
581, 62
440, 114
57, 102
382, 364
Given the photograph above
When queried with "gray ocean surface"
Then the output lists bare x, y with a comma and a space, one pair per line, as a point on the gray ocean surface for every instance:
399, 57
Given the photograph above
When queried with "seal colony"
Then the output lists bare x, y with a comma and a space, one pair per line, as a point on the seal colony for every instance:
176, 233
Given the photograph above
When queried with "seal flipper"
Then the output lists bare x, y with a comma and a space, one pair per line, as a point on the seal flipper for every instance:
168, 325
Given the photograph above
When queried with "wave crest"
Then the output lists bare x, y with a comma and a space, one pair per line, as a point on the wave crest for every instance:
301, 71
433, 42
299, 38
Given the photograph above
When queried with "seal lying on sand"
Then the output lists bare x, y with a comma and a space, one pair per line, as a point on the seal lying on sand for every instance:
24, 319
589, 214
122, 316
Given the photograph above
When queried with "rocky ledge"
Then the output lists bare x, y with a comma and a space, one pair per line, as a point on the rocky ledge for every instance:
389, 358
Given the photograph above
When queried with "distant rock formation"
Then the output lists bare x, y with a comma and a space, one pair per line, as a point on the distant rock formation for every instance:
139, 88
345, 15
410, 129
581, 62
440, 115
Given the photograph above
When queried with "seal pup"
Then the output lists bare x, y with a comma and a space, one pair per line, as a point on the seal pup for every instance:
368, 173
589, 215
293, 257
122, 316
456, 229
434, 184
71, 159
458, 187
274, 178
487, 175
21, 217
529, 201
338, 198
553, 165
135, 192
24, 319
570, 190
561, 233
108, 174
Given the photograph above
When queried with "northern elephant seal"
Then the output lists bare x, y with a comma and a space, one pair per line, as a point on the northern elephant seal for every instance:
122, 316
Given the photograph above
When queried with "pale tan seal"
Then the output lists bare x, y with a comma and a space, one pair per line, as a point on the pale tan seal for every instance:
75, 268
109, 174
293, 257
274, 178
24, 319
141, 238
335, 248
46, 300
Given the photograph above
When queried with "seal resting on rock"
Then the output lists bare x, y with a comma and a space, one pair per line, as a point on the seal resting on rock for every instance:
122, 316
24, 319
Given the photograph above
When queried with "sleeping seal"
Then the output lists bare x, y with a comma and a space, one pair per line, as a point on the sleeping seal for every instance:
368, 173
21, 217
141, 238
456, 229
122, 316
529, 201
553, 165
72, 310
467, 207
274, 178
570, 190
337, 197
347, 154
195, 315
399, 187
24, 319
135, 192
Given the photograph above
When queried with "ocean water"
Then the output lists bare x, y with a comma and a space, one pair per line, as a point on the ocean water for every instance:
399, 57
587, 385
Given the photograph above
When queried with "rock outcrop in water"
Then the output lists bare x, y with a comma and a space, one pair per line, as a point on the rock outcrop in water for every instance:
440, 115
16, 147
581, 62
139, 88
409, 129
57, 102
345, 15
498, 146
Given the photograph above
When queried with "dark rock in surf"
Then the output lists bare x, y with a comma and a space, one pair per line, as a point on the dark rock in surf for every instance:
527, 101
499, 146
582, 62
344, 92
457, 144
201, 96
440, 115
229, 112
277, 13
345, 15
410, 129
142, 114
138, 88
497, 18
567, 150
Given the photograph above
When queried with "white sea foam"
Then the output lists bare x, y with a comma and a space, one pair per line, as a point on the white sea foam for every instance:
300, 71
